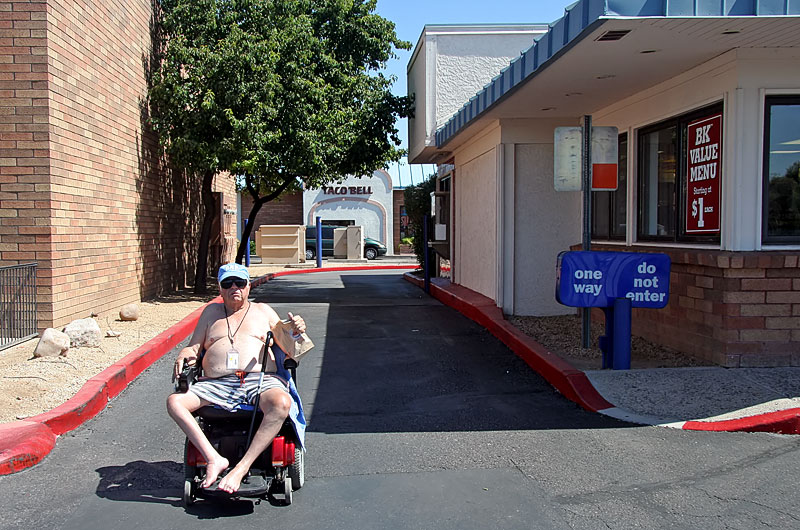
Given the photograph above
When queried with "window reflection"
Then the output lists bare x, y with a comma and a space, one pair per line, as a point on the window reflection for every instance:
657, 204
782, 165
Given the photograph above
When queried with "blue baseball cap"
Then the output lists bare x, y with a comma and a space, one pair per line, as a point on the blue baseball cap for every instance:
233, 270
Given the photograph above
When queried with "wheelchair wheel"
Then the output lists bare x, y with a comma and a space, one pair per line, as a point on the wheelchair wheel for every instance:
189, 473
188, 492
287, 491
297, 470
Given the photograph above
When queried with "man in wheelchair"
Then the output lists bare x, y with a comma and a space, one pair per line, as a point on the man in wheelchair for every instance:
233, 336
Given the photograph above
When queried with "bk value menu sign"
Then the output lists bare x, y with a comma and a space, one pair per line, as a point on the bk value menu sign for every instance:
703, 175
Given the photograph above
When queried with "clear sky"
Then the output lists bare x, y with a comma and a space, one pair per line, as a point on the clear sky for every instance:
410, 16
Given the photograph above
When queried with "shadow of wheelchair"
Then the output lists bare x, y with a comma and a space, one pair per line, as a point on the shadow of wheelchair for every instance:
162, 483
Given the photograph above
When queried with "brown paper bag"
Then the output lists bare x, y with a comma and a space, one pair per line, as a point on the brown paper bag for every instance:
294, 347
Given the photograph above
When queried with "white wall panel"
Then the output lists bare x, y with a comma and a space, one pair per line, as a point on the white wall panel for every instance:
547, 222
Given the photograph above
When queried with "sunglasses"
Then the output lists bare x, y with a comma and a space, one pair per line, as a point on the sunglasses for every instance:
227, 283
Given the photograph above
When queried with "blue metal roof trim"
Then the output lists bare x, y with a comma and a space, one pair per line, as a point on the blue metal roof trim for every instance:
516, 68
566, 31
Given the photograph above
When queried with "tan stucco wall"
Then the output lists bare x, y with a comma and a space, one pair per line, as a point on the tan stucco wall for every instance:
475, 210
547, 222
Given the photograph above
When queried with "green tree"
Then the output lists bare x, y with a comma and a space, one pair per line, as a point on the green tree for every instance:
278, 92
418, 204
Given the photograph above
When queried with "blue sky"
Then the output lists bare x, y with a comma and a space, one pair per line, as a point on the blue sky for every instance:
410, 16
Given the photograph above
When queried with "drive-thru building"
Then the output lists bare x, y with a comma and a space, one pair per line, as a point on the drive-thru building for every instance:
706, 99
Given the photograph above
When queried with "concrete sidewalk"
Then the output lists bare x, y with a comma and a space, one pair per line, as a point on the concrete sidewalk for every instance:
704, 398
677, 396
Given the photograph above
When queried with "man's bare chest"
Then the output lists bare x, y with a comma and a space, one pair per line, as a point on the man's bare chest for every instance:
222, 333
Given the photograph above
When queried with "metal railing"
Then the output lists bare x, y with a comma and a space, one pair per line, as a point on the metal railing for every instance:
17, 304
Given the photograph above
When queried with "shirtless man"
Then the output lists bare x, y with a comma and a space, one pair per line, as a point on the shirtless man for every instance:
232, 334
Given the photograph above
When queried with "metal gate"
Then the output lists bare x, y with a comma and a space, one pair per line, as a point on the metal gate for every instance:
17, 304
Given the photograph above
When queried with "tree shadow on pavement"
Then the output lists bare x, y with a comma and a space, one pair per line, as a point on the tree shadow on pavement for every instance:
391, 359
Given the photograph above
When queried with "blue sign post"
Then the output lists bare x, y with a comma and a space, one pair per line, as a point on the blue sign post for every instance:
319, 242
617, 282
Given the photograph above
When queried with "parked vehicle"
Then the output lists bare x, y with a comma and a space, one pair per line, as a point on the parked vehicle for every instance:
372, 247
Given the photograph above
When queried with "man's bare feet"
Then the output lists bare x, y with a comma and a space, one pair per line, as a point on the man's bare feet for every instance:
213, 469
232, 480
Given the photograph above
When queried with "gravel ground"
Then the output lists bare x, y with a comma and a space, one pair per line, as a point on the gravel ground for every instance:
30, 386
562, 335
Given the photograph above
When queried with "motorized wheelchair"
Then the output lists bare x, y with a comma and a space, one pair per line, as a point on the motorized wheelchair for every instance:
278, 470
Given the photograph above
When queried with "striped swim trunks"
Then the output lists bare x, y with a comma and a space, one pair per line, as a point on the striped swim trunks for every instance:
229, 391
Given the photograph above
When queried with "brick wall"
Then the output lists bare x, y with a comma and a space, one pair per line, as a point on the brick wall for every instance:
25, 200
735, 309
225, 241
287, 210
84, 190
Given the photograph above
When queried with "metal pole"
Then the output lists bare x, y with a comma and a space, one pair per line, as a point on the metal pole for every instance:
586, 174
247, 247
319, 243
622, 334
426, 252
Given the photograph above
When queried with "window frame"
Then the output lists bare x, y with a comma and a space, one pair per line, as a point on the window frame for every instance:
769, 102
681, 123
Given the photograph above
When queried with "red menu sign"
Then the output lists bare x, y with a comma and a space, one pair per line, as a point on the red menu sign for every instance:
703, 175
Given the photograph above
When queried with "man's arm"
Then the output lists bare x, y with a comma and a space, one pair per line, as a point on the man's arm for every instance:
188, 355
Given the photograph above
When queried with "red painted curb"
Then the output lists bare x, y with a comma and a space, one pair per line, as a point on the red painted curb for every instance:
85, 404
781, 422
100, 389
27, 442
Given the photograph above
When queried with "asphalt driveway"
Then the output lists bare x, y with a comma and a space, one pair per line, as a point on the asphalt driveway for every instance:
418, 418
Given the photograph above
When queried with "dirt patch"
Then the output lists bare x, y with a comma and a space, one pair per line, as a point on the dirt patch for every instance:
561, 335
30, 386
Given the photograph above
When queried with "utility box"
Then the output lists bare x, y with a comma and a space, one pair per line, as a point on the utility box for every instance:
340, 242
355, 243
281, 244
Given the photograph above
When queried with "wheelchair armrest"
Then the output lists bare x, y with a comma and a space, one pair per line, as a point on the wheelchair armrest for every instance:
290, 364
187, 378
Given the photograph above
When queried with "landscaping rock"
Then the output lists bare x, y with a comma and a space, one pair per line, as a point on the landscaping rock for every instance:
83, 332
129, 312
52, 343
